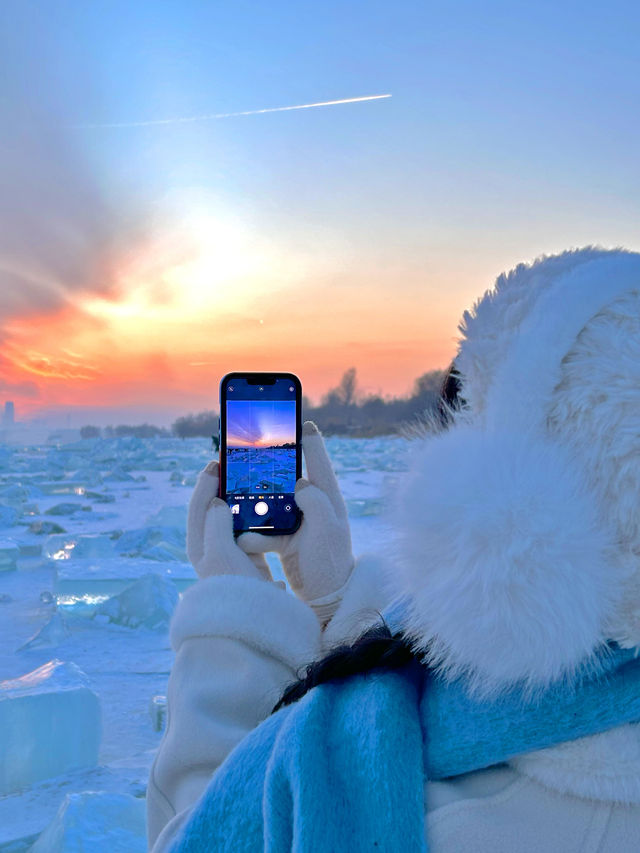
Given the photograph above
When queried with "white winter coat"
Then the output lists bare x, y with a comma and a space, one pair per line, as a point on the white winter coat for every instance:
239, 642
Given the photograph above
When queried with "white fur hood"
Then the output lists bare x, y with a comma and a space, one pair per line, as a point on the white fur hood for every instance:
520, 537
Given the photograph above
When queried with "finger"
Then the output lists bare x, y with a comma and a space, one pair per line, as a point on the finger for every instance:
205, 490
260, 562
319, 468
221, 554
256, 543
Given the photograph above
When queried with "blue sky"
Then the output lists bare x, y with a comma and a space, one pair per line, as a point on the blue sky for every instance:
494, 105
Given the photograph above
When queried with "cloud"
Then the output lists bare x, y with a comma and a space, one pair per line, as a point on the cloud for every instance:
56, 368
58, 232
20, 389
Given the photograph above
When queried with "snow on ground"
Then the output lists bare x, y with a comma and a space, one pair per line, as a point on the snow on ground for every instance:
79, 524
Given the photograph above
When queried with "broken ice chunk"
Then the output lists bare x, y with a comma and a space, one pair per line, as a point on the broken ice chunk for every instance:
49, 724
170, 516
88, 475
9, 553
100, 821
30, 509
45, 528
100, 497
14, 495
117, 475
64, 509
155, 543
51, 634
147, 602
89, 545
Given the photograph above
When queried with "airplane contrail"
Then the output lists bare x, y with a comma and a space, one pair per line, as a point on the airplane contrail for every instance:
212, 116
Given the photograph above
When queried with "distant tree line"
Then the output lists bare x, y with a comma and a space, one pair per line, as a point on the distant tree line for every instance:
203, 424
343, 410
139, 431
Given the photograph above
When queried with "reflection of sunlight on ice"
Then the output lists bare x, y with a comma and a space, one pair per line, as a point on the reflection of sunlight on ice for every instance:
84, 598
80, 490
31, 679
65, 552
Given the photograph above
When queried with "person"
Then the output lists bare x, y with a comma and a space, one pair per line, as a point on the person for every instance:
513, 578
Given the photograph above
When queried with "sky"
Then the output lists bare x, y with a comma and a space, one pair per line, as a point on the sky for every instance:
260, 424
143, 256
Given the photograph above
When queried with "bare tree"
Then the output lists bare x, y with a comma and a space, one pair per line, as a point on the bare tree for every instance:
347, 389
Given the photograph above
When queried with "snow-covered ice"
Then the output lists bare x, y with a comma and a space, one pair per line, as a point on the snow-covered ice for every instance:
93, 584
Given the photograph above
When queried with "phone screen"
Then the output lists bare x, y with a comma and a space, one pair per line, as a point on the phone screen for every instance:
260, 457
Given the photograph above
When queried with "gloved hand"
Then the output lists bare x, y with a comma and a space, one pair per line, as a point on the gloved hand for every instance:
317, 558
211, 548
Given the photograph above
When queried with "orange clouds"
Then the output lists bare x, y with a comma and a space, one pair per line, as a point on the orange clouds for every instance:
181, 317
73, 358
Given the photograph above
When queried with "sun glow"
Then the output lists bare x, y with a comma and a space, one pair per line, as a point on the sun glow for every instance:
209, 262
208, 292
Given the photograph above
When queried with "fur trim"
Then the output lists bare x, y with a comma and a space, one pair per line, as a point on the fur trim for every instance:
510, 574
520, 525
596, 411
494, 322
523, 383
259, 613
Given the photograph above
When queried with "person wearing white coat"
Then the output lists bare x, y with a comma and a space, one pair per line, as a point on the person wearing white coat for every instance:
519, 549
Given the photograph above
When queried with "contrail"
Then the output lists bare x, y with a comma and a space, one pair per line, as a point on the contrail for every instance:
212, 116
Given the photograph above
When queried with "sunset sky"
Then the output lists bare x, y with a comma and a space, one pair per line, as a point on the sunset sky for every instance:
143, 256
260, 424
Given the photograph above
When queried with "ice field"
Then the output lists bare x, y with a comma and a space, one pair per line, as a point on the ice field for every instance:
92, 562
270, 469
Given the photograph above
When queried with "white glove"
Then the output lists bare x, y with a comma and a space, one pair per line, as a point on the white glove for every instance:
317, 558
211, 547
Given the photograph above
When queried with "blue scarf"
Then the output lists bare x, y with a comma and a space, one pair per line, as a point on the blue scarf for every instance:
344, 768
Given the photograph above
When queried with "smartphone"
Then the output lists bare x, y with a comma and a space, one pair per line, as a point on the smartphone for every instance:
260, 450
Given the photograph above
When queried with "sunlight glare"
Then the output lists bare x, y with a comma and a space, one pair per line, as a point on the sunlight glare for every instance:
209, 262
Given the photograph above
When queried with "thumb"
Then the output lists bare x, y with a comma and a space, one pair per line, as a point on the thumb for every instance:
256, 543
221, 554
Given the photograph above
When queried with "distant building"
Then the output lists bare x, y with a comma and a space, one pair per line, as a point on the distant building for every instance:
9, 414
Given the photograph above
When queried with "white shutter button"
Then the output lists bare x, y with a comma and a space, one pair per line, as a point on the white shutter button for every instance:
261, 507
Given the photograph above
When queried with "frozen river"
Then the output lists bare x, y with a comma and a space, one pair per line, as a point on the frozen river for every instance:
80, 524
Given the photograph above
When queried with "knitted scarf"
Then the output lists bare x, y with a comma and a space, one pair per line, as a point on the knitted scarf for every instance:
344, 768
